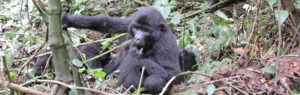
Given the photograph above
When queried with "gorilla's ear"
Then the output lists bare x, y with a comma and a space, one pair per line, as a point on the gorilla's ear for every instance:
162, 27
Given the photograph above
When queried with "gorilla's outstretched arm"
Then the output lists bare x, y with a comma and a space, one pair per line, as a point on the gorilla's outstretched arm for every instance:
104, 23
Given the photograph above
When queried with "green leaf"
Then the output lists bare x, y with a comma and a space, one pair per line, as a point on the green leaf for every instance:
165, 11
225, 22
188, 37
176, 18
297, 4
141, 90
247, 22
163, 7
253, 55
97, 73
75, 6
24, 38
227, 61
271, 2
77, 62
73, 91
283, 14
210, 89
81, 70
275, 27
106, 43
10, 35
13, 76
294, 91
269, 69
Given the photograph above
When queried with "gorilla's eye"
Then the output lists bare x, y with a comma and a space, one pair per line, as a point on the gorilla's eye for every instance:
161, 28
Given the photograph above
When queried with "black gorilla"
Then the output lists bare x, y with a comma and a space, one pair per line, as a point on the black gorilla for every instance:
153, 46
187, 60
90, 51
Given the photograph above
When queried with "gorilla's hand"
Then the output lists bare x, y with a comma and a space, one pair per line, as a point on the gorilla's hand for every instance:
65, 20
134, 51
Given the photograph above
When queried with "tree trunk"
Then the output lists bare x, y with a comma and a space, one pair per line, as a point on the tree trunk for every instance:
56, 42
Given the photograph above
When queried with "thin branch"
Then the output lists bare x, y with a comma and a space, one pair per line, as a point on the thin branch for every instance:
141, 79
19, 88
142, 3
174, 77
41, 8
279, 42
47, 63
210, 82
71, 86
98, 56
238, 89
250, 35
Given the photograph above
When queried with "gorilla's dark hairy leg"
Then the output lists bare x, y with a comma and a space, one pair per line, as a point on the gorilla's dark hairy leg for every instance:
89, 50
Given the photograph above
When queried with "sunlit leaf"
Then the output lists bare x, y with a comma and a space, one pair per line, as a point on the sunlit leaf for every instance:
24, 38
81, 70
75, 6
269, 69
106, 43
73, 91
271, 2
141, 90
176, 18
97, 73
163, 7
227, 61
13, 76
10, 35
77, 62
210, 89
297, 4
283, 14
253, 55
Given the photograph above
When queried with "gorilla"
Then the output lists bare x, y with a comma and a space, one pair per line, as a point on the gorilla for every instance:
187, 60
90, 51
153, 46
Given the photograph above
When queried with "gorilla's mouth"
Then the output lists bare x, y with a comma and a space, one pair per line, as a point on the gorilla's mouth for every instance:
140, 50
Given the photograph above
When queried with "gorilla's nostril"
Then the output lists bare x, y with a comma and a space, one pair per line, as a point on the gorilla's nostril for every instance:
137, 39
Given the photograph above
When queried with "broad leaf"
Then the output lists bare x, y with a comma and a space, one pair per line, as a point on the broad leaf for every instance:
13, 76
271, 2
269, 69
77, 62
210, 89
176, 18
73, 91
283, 14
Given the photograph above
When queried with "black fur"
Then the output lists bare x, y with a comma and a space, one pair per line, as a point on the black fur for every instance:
89, 50
187, 60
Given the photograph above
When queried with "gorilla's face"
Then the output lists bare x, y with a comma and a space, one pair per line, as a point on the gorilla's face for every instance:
140, 37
